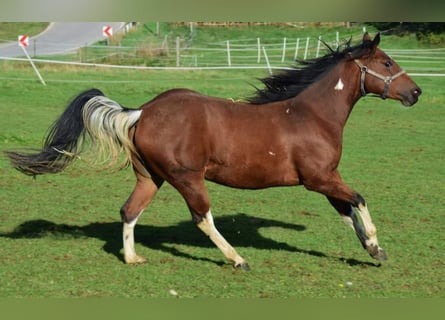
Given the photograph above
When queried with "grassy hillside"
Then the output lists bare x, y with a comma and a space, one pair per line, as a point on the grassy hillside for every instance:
9, 31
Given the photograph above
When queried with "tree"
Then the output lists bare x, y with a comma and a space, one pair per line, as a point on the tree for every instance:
430, 32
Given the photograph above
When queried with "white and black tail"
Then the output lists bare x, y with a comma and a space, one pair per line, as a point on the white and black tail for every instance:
92, 114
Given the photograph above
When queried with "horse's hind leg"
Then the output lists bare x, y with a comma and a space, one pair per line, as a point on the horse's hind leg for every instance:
142, 195
195, 194
208, 227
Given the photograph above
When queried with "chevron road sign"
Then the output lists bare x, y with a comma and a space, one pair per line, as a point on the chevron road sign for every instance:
23, 40
107, 31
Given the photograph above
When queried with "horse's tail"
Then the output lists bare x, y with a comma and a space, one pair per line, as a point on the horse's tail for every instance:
105, 121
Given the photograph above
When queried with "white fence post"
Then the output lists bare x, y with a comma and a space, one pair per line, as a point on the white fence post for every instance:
164, 46
177, 52
297, 45
307, 48
259, 50
318, 47
267, 61
229, 60
283, 55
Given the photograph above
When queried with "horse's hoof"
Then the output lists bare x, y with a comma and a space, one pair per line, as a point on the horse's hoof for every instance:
243, 265
135, 260
381, 255
377, 253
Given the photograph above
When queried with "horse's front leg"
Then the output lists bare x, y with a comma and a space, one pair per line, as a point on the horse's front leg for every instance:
372, 245
344, 199
368, 235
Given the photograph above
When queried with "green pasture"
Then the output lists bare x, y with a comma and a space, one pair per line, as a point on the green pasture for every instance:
60, 235
9, 31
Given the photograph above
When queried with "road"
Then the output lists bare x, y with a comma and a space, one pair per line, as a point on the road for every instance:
60, 37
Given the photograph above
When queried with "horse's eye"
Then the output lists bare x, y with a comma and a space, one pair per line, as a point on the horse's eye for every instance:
388, 63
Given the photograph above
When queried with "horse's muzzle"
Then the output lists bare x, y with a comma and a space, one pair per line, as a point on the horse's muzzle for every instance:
411, 97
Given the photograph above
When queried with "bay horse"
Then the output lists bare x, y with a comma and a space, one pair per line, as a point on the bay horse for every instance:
289, 133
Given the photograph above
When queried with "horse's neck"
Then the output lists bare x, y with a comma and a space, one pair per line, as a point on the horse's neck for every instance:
333, 96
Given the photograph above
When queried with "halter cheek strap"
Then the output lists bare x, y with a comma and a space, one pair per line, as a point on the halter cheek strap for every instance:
386, 79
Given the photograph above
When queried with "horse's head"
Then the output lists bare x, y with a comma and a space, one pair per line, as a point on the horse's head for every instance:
381, 75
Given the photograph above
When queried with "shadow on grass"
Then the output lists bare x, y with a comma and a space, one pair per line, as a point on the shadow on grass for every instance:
240, 230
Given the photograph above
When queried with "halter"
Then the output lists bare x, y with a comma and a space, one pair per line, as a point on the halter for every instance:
386, 79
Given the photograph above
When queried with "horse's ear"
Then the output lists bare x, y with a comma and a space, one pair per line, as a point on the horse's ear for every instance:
374, 44
366, 37
376, 40
369, 46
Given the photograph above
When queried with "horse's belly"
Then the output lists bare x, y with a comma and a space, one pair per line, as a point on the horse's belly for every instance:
252, 176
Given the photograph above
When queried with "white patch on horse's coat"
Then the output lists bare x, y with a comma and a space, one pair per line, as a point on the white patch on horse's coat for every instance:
128, 237
273, 154
288, 110
347, 220
340, 85
370, 228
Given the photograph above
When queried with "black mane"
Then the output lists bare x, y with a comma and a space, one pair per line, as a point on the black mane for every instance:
289, 83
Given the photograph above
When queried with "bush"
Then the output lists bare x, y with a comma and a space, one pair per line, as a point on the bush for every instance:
432, 33
432, 38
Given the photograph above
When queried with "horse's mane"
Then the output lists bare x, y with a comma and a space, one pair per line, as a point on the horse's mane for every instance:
289, 83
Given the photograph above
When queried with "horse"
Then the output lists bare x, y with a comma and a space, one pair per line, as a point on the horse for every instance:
289, 133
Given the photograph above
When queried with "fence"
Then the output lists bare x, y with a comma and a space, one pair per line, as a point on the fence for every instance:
180, 53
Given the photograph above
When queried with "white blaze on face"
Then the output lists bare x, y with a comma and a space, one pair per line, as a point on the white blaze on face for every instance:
339, 86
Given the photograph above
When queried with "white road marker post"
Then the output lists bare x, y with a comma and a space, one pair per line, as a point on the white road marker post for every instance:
23, 41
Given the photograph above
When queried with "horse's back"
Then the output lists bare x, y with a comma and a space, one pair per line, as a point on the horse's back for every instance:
181, 108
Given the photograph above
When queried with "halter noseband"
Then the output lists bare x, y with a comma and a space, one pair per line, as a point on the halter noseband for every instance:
386, 79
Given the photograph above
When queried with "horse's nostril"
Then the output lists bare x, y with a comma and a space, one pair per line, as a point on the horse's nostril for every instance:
417, 92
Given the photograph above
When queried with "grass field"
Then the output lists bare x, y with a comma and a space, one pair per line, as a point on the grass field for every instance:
60, 235
9, 31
